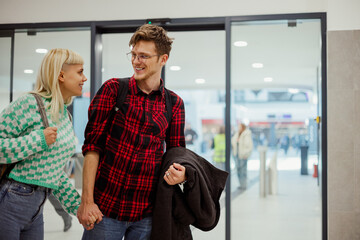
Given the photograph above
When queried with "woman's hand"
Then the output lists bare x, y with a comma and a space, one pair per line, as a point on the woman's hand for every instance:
50, 134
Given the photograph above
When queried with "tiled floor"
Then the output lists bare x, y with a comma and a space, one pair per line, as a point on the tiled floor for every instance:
54, 226
294, 213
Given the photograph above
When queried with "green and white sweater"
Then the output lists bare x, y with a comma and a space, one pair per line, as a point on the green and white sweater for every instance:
22, 141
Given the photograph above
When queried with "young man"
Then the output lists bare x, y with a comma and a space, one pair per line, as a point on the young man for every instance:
122, 162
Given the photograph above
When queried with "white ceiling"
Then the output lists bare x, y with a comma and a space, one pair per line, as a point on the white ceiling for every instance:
291, 56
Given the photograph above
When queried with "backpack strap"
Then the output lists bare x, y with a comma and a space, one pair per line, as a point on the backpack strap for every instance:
70, 116
5, 169
42, 110
169, 107
122, 92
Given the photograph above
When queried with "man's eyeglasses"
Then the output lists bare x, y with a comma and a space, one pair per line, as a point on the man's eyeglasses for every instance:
141, 58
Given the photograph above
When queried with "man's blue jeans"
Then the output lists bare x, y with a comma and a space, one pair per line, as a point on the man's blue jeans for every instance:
21, 211
111, 229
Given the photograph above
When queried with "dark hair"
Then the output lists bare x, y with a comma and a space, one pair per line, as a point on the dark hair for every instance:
156, 34
222, 129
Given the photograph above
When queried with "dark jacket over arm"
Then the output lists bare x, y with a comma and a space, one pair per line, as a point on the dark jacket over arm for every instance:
198, 205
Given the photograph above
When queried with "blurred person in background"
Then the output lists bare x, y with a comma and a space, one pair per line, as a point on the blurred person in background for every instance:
242, 146
219, 145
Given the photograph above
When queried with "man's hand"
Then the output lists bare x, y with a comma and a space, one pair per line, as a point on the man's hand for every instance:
88, 214
175, 174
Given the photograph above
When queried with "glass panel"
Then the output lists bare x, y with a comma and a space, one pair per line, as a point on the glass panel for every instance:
5, 60
27, 62
196, 72
114, 61
274, 75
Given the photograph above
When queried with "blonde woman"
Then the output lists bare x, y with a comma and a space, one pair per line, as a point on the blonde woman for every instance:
242, 146
40, 154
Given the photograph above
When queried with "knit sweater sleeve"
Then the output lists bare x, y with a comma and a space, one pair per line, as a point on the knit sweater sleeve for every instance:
17, 141
67, 195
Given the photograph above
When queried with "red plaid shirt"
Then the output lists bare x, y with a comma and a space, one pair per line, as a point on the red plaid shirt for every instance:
131, 152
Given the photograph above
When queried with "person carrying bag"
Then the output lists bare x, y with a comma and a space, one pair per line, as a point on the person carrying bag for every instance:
35, 152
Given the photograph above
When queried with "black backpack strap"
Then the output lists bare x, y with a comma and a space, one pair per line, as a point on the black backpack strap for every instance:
122, 92
123, 89
169, 105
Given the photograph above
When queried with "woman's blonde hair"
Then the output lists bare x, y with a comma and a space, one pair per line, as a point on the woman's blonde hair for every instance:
47, 84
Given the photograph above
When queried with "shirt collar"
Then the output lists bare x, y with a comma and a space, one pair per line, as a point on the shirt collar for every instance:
134, 89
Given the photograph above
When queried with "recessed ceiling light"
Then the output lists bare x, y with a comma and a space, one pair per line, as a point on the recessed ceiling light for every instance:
28, 71
293, 90
240, 44
41, 50
257, 65
200, 81
268, 79
102, 69
175, 68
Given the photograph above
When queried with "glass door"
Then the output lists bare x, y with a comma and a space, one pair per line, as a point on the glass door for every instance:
275, 97
196, 72
114, 61
5, 67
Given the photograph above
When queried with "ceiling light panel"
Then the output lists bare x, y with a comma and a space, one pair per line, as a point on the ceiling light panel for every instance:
175, 68
200, 81
240, 44
257, 65
41, 50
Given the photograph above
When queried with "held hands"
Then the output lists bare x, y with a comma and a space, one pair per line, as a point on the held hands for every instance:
50, 134
175, 174
88, 214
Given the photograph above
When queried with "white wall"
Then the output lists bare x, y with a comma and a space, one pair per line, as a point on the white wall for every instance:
342, 15
83, 10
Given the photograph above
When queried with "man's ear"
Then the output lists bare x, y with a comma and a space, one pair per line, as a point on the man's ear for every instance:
164, 59
61, 76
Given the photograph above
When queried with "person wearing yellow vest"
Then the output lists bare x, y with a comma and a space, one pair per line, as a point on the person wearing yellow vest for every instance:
219, 149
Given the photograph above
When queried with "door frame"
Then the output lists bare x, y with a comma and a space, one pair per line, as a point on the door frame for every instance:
98, 28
